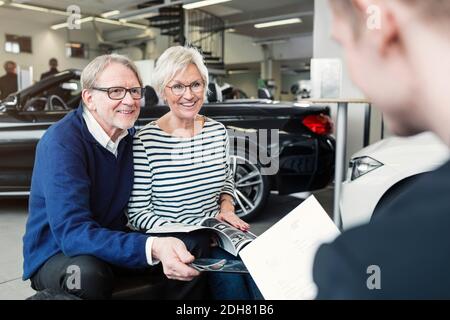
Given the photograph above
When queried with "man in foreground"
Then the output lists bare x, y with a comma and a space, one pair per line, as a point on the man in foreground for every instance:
403, 68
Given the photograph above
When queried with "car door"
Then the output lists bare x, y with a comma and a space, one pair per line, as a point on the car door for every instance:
19, 135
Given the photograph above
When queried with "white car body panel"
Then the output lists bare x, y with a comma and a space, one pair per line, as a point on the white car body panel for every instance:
401, 158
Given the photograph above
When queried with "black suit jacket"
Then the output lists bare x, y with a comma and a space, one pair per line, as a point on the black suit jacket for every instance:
49, 73
409, 241
8, 85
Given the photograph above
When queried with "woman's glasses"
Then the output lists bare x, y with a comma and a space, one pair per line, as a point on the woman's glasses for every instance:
179, 89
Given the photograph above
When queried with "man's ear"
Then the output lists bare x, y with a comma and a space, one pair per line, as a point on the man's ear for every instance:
361, 6
390, 31
380, 23
86, 95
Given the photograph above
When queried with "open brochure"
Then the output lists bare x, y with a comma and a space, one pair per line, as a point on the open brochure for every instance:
281, 259
229, 238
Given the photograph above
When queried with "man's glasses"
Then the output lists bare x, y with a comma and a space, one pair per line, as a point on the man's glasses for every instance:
179, 89
118, 93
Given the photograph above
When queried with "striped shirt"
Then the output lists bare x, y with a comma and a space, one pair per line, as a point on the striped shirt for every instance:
179, 179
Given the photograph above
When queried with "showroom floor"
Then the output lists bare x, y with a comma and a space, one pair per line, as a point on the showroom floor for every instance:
13, 215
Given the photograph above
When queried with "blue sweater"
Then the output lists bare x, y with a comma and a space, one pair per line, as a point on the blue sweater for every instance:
79, 191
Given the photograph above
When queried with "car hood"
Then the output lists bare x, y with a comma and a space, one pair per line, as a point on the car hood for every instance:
425, 147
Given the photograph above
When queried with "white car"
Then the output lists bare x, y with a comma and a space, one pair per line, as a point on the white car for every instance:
378, 172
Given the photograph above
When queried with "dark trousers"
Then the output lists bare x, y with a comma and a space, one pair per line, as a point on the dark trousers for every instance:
91, 278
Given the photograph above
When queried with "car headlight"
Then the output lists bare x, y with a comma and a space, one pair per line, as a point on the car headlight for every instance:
363, 165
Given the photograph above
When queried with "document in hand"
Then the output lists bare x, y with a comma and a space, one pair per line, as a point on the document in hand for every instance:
281, 259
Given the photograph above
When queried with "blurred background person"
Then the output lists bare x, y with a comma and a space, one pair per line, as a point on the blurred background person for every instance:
53, 63
8, 83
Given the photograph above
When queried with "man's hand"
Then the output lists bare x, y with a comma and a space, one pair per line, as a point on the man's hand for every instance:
174, 257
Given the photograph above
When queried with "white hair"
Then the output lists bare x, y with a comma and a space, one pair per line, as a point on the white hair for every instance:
172, 61
99, 64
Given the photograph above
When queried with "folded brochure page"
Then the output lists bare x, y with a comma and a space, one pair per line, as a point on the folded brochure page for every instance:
229, 238
281, 259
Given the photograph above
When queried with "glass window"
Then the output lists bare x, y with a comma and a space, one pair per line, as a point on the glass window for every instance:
77, 50
17, 44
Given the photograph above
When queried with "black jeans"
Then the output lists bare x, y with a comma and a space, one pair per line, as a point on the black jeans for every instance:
97, 278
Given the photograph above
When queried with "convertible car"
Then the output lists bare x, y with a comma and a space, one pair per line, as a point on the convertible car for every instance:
274, 146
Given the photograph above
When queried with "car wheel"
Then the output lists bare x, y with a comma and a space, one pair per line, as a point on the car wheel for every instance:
251, 187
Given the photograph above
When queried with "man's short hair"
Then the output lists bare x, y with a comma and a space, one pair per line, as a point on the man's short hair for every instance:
53, 61
176, 59
99, 64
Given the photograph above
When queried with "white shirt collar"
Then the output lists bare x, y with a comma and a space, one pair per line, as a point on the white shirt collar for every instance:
100, 135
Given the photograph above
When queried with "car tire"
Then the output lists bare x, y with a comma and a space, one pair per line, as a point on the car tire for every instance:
251, 186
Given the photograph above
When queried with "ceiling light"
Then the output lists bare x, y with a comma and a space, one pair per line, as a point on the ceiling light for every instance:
65, 24
278, 23
59, 26
204, 3
110, 13
238, 71
102, 20
40, 9
140, 16
121, 23
2, 3
269, 41
87, 19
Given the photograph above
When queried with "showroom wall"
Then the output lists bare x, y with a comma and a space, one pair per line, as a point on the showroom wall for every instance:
241, 49
46, 43
326, 47
247, 82
295, 48
155, 46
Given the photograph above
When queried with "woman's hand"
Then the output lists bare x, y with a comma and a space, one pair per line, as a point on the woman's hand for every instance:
227, 214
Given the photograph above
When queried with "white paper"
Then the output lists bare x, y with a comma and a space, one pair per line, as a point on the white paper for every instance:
281, 259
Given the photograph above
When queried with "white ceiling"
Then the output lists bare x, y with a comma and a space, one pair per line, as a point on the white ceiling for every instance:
241, 14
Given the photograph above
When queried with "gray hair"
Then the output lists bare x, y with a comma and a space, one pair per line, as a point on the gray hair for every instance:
176, 59
99, 64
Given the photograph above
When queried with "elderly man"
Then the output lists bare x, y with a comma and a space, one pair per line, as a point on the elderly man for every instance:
403, 68
76, 237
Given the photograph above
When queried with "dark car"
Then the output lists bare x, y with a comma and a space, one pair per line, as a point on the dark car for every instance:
273, 146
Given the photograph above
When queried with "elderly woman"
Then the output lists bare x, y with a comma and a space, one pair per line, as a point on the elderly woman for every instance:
181, 164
